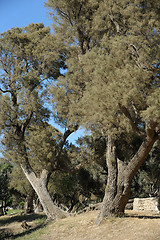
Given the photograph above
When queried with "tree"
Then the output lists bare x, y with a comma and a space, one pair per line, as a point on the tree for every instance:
149, 181
29, 57
21, 188
113, 80
5, 195
74, 185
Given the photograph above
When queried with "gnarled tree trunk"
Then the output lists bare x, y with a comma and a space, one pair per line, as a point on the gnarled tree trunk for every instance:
40, 187
120, 176
39, 184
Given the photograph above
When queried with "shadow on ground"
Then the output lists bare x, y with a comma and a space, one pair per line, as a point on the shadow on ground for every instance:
20, 218
148, 216
7, 233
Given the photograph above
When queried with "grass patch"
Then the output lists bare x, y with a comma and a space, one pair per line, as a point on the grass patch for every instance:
14, 211
10, 225
34, 234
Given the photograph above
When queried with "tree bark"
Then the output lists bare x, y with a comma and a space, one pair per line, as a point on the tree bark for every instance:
39, 184
120, 177
40, 187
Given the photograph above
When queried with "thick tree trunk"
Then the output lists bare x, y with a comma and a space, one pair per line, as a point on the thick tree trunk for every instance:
39, 184
40, 187
120, 176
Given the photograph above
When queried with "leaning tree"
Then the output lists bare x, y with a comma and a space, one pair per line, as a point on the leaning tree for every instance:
30, 60
112, 82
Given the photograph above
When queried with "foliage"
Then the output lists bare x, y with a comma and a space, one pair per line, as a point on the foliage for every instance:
149, 176
148, 181
79, 178
25, 69
99, 69
5, 195
114, 81
30, 60
18, 181
43, 142
75, 189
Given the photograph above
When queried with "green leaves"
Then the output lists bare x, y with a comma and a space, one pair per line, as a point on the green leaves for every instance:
28, 58
42, 144
116, 65
5, 170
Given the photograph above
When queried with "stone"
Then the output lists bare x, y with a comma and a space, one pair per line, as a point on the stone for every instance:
147, 204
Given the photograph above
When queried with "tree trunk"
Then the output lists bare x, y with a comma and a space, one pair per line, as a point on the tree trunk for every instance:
38, 207
3, 208
120, 176
28, 207
40, 187
39, 184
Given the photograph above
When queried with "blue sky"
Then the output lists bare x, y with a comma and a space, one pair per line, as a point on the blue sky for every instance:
20, 13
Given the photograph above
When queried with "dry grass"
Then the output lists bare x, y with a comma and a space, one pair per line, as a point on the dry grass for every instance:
10, 225
83, 227
135, 226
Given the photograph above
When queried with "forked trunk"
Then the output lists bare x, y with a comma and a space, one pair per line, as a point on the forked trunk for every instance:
120, 176
40, 187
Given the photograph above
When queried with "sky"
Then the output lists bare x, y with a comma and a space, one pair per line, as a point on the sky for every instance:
20, 13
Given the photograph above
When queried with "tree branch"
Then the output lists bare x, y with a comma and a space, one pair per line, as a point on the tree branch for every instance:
114, 22
25, 124
64, 138
132, 122
140, 156
4, 91
150, 129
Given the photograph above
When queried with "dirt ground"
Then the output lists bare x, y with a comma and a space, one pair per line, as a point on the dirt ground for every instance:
134, 226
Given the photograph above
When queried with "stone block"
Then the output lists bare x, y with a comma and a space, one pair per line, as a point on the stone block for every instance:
146, 204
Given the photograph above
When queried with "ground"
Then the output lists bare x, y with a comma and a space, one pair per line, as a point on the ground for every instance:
134, 226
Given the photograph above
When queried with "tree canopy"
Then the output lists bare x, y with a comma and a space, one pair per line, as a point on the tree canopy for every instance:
114, 82
99, 69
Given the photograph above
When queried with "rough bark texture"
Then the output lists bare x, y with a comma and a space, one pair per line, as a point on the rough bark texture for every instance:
40, 187
39, 184
120, 176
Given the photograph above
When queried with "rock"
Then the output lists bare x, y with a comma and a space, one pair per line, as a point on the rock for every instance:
25, 225
147, 204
